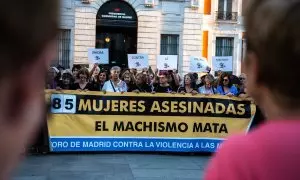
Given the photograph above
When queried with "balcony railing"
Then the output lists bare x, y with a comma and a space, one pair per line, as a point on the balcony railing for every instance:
226, 16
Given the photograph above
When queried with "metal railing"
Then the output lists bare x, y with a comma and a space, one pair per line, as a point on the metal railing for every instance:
226, 16
63, 48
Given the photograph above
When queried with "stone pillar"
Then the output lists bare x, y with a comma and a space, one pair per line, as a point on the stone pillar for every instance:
85, 32
148, 41
191, 37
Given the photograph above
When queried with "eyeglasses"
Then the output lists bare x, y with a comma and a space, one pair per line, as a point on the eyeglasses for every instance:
241, 78
82, 77
225, 80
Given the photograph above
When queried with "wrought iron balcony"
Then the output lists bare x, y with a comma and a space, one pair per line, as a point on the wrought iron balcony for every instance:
226, 16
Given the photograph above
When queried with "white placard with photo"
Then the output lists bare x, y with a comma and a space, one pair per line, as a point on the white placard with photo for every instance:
99, 56
138, 61
222, 63
198, 64
167, 62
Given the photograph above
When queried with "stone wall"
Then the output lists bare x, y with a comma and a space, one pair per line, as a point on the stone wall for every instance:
191, 36
149, 34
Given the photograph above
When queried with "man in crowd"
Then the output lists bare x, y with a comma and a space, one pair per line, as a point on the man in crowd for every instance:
272, 150
28, 39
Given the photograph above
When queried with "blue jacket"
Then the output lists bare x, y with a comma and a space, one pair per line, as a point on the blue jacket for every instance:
232, 90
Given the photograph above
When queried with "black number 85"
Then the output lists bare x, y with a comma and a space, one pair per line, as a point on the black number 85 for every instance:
56, 103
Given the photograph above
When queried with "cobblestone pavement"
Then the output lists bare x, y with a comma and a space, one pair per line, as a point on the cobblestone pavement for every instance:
112, 167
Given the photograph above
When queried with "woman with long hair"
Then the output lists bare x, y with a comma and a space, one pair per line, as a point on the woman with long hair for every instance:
94, 73
83, 84
128, 79
225, 86
102, 78
189, 85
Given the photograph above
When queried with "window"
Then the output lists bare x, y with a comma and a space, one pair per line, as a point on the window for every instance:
225, 11
225, 5
169, 44
224, 47
63, 48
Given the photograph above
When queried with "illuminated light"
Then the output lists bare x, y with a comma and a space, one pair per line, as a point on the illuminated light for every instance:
107, 39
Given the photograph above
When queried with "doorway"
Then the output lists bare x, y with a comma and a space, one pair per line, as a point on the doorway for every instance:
117, 31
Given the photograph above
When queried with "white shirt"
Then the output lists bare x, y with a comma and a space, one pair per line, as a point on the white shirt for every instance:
110, 87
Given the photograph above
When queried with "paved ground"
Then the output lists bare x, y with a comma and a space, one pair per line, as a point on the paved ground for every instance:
112, 167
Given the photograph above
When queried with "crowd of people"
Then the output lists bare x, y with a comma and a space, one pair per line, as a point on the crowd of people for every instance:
146, 81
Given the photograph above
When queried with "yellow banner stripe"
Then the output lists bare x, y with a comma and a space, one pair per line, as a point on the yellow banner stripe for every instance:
85, 125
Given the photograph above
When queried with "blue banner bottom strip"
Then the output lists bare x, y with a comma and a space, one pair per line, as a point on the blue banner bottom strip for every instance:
94, 144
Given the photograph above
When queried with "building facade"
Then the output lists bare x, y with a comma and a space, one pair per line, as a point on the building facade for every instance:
153, 27
223, 31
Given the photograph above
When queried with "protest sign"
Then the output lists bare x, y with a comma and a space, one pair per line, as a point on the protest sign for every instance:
222, 63
99, 56
167, 62
198, 64
138, 61
94, 121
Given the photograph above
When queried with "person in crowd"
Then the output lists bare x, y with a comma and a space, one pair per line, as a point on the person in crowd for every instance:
271, 150
75, 70
51, 80
125, 71
115, 84
196, 77
127, 78
94, 73
163, 86
202, 79
83, 84
235, 80
219, 74
225, 86
28, 45
173, 80
141, 84
133, 71
101, 79
189, 85
208, 88
151, 79
242, 87
177, 76
67, 80
60, 68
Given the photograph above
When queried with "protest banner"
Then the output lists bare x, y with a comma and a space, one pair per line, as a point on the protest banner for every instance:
222, 63
138, 61
93, 121
198, 64
99, 56
167, 62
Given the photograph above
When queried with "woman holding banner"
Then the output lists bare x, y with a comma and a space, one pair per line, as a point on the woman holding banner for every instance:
141, 84
226, 87
83, 84
189, 85
208, 87
115, 84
